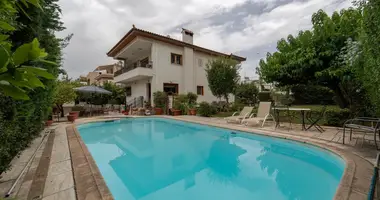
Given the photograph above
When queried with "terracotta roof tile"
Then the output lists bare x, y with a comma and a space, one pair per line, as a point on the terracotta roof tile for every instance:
139, 32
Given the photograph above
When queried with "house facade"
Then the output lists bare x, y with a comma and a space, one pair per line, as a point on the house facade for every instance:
155, 62
103, 74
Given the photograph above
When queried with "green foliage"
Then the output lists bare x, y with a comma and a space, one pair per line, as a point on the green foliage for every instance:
337, 117
236, 106
368, 66
118, 93
264, 96
206, 110
220, 106
223, 76
30, 57
181, 102
63, 93
14, 76
313, 57
160, 99
312, 94
192, 98
246, 93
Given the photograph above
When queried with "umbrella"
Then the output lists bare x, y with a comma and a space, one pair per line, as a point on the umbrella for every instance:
92, 89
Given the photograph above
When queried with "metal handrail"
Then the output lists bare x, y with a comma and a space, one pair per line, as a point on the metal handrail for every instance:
132, 67
371, 193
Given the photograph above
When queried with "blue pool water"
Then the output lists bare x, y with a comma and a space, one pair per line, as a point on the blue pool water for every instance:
152, 158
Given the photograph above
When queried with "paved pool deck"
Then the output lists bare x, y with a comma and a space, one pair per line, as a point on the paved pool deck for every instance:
64, 169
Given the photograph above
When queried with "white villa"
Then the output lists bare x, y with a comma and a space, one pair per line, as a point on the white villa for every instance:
154, 62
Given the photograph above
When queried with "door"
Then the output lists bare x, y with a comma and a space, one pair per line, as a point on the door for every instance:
148, 92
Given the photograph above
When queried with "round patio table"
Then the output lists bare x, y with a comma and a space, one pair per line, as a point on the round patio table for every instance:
301, 110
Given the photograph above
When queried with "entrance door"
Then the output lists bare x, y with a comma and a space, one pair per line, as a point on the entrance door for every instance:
170, 89
148, 91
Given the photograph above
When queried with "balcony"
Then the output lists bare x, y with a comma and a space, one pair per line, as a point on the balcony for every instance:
136, 71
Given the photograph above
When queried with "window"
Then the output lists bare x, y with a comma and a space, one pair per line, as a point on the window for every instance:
171, 88
128, 91
200, 90
176, 59
200, 62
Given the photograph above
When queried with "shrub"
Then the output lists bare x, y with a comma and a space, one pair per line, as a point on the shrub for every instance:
192, 98
237, 106
160, 99
180, 103
312, 94
337, 116
264, 96
206, 110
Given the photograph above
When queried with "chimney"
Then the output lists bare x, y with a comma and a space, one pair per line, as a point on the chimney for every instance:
187, 36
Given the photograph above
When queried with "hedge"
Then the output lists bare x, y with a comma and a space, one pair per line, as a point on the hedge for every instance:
20, 123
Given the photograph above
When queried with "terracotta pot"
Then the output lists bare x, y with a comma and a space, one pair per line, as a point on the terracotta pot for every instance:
48, 122
158, 111
75, 114
71, 118
177, 112
193, 111
125, 112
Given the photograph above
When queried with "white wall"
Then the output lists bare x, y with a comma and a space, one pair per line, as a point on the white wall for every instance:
138, 89
164, 70
188, 76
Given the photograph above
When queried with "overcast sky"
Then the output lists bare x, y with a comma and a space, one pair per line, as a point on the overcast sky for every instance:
248, 28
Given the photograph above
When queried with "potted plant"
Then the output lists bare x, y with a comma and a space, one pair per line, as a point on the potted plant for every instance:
191, 109
179, 105
192, 102
49, 121
160, 99
71, 118
74, 113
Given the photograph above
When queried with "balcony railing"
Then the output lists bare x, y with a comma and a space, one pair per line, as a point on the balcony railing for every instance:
133, 66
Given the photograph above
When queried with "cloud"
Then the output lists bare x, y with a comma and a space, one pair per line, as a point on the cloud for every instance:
247, 27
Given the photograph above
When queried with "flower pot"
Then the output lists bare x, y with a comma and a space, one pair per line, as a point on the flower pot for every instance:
158, 111
75, 114
71, 118
125, 112
48, 122
193, 111
177, 112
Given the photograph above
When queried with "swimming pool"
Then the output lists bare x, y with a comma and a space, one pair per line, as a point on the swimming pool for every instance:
155, 158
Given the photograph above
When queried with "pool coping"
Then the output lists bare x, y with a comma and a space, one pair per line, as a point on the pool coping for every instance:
89, 182
343, 192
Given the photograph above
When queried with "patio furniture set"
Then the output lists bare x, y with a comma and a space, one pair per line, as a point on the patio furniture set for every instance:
266, 111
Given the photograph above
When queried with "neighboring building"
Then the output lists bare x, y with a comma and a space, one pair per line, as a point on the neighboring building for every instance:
83, 80
260, 84
103, 74
153, 62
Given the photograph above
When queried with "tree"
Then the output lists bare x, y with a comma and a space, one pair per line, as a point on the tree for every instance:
246, 93
313, 57
118, 94
370, 66
15, 74
223, 76
64, 93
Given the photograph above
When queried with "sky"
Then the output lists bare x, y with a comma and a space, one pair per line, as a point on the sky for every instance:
248, 28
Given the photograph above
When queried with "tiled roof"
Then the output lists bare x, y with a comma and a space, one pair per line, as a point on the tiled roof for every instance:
139, 32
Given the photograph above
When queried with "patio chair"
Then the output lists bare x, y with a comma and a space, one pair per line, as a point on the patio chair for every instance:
364, 124
263, 114
315, 118
244, 113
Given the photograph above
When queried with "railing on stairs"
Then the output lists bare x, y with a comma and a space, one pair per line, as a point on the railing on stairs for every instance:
136, 102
